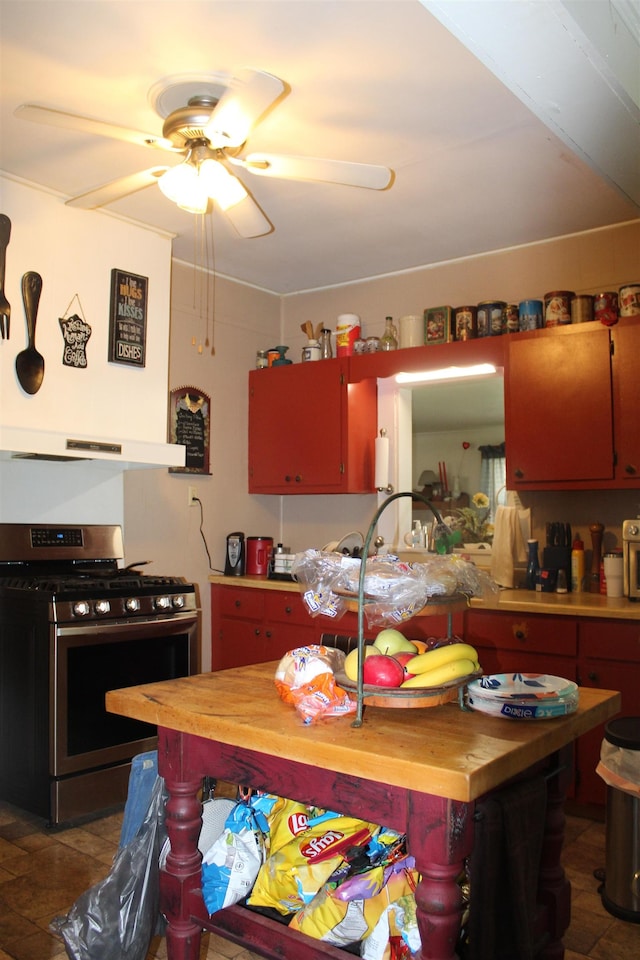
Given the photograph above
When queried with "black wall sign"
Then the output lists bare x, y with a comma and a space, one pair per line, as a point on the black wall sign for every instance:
128, 318
189, 425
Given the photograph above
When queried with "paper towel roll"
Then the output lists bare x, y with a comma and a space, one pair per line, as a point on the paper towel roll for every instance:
382, 462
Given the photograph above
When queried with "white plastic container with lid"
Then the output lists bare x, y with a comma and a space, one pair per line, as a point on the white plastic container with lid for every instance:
411, 331
347, 332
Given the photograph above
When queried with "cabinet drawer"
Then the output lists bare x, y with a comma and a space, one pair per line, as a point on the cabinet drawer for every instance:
532, 633
610, 640
241, 602
286, 607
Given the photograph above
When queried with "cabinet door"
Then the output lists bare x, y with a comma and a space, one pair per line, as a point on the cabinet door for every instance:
609, 659
558, 407
626, 398
310, 431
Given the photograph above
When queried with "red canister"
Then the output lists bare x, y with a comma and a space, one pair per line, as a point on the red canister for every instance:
347, 332
605, 308
258, 553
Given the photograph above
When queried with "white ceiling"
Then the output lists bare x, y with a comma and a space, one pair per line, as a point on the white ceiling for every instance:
505, 126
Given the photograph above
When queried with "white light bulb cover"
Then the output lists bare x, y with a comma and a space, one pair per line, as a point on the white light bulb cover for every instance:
182, 185
221, 185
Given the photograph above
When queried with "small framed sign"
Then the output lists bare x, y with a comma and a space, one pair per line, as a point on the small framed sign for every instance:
189, 425
128, 318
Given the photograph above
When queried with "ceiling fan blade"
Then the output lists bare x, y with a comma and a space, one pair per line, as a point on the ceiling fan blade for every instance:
116, 189
74, 121
313, 168
248, 219
241, 107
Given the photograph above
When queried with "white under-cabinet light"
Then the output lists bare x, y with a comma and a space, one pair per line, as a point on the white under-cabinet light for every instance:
447, 373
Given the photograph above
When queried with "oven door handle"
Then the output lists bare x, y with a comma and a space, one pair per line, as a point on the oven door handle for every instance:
127, 629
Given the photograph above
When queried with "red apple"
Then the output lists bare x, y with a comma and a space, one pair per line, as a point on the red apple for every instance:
383, 671
404, 659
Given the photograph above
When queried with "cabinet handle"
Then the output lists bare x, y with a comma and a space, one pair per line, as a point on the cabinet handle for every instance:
519, 473
630, 469
268, 634
288, 610
287, 478
520, 631
257, 631
592, 676
237, 604
298, 478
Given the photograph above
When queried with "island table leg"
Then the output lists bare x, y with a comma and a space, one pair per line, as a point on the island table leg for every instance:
440, 837
182, 872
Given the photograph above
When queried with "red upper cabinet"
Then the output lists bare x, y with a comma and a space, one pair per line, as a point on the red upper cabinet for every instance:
310, 431
559, 409
626, 399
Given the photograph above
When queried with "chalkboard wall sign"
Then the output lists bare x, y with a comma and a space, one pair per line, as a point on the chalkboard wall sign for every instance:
189, 425
128, 318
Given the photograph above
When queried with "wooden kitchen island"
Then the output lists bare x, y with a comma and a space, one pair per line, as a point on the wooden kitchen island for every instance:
417, 771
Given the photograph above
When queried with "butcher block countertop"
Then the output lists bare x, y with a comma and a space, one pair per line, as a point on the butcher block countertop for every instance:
506, 601
444, 750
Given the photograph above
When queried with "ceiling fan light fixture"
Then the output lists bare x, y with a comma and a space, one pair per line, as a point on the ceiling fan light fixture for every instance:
221, 185
183, 186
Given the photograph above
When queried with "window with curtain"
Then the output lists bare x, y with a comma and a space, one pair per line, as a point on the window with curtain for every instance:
493, 475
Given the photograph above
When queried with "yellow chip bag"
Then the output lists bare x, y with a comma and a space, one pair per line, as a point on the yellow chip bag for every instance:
293, 874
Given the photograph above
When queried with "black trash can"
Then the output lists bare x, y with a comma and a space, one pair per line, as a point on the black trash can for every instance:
620, 892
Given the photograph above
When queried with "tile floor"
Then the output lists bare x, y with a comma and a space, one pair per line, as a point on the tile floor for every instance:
43, 872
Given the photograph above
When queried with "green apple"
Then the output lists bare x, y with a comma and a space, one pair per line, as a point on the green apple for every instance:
351, 661
391, 641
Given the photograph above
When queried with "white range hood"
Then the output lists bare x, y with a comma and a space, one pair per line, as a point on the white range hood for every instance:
20, 443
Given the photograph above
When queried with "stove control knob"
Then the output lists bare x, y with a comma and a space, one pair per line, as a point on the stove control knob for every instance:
102, 607
178, 601
633, 529
132, 604
162, 603
81, 608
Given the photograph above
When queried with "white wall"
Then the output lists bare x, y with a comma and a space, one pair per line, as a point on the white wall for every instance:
159, 525
74, 251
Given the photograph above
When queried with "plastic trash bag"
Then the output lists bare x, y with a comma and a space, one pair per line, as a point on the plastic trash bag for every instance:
142, 779
620, 768
117, 917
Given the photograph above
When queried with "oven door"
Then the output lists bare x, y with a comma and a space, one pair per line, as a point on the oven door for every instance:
89, 659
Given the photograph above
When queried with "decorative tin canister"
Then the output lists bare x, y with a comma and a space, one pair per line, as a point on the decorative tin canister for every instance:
629, 300
530, 314
605, 308
490, 318
466, 323
582, 308
557, 308
510, 318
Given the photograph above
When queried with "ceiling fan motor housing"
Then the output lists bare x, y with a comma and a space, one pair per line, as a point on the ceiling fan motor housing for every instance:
187, 124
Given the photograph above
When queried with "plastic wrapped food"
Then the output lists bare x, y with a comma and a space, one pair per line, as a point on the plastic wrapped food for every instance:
305, 678
394, 591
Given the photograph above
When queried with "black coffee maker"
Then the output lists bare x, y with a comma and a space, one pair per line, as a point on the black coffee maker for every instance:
235, 556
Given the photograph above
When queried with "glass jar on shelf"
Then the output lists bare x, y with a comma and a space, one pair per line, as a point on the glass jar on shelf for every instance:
389, 339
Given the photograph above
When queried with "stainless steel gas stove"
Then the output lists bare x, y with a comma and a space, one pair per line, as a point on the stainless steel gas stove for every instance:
74, 623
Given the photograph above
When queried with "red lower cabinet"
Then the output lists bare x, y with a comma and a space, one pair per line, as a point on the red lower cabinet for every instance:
610, 659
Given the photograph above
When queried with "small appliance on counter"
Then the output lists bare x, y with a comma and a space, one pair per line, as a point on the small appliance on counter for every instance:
258, 554
234, 563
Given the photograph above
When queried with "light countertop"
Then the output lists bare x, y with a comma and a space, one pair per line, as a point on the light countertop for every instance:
506, 601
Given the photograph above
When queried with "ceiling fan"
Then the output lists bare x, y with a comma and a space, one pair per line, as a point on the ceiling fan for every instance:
210, 133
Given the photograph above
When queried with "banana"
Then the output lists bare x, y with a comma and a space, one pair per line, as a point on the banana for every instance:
441, 655
446, 672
